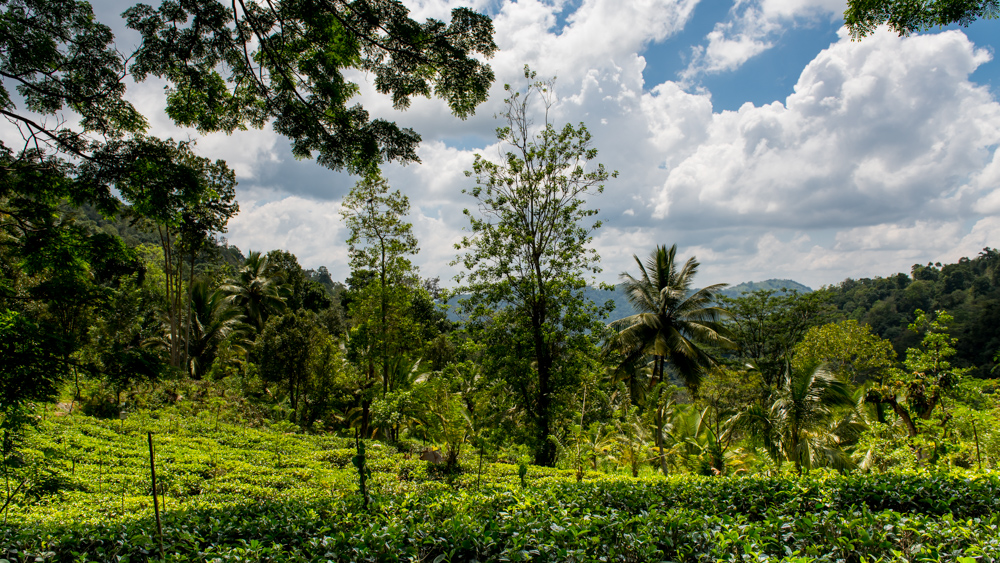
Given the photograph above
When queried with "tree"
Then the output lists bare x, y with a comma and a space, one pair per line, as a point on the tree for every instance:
848, 349
283, 352
286, 60
189, 199
381, 242
803, 425
906, 16
59, 57
851, 352
213, 320
256, 292
673, 326
303, 292
528, 251
766, 325
380, 245
30, 372
915, 393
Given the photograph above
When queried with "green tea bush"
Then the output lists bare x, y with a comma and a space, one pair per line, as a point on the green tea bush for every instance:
242, 494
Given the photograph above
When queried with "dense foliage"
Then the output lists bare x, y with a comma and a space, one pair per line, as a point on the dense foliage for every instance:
230, 494
968, 289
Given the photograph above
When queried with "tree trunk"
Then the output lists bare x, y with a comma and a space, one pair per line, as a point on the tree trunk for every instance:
366, 411
659, 443
168, 273
904, 415
187, 336
658, 368
545, 455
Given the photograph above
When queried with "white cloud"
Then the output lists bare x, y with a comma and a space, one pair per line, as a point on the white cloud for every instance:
927, 235
883, 129
311, 230
753, 27
884, 155
732, 43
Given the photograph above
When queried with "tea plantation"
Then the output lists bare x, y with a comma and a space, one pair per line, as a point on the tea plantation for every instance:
81, 492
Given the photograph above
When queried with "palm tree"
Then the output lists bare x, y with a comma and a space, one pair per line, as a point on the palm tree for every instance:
809, 423
633, 442
673, 324
256, 292
213, 320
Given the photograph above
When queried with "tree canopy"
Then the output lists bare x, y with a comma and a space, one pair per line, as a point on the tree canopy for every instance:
907, 16
289, 62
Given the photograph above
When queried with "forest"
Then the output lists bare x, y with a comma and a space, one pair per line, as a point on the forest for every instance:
167, 396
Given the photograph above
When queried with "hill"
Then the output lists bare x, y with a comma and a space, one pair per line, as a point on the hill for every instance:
622, 308
773, 284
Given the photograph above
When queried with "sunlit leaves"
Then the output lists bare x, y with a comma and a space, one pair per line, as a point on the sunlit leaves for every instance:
239, 64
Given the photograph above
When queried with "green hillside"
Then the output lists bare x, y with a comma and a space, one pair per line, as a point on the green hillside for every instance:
228, 492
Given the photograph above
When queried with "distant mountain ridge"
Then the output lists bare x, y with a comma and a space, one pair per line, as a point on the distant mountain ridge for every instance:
622, 308
773, 284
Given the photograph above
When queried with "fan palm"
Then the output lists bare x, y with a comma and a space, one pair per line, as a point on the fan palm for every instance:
255, 291
672, 326
808, 423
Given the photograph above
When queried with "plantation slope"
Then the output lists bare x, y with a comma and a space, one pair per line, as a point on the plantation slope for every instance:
236, 494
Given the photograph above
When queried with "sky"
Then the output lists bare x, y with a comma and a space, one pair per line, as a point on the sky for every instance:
755, 135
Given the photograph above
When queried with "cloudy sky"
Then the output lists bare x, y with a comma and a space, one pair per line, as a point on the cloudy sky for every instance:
756, 135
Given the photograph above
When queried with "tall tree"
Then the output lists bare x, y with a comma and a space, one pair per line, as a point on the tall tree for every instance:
673, 326
529, 248
188, 198
380, 244
675, 323
236, 64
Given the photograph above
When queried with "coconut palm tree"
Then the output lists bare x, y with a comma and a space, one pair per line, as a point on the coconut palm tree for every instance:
213, 320
673, 324
809, 424
256, 292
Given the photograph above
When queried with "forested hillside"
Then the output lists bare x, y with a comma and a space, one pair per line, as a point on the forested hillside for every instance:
969, 290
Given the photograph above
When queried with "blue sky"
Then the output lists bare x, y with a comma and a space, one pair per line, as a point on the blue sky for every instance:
755, 135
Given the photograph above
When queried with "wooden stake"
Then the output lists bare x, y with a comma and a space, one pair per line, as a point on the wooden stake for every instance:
979, 459
156, 506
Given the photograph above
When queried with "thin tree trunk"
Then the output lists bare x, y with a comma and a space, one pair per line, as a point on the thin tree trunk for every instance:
187, 337
169, 286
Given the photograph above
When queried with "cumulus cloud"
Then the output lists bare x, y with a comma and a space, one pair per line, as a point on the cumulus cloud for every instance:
311, 230
883, 156
879, 130
752, 28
